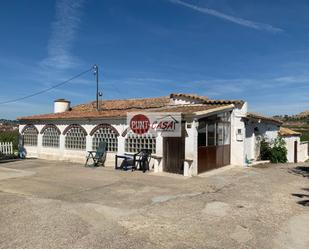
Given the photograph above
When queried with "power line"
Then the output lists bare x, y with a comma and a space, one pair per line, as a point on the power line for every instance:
46, 90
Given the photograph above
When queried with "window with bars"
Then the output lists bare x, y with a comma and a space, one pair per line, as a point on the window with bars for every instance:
75, 139
30, 136
134, 143
108, 135
51, 137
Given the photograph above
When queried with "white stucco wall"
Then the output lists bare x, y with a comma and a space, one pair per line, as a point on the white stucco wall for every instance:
79, 156
191, 149
62, 153
303, 153
302, 149
238, 140
266, 130
290, 147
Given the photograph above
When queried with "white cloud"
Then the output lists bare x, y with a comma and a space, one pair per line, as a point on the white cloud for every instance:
233, 19
64, 28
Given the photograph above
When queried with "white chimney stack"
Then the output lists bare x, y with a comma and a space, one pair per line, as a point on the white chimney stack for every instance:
61, 105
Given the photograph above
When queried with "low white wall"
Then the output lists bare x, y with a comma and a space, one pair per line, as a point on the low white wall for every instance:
290, 147
303, 151
266, 130
79, 156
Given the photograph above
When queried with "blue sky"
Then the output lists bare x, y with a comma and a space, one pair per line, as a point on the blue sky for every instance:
225, 49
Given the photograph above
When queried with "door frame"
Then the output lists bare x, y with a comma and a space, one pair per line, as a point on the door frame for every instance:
295, 152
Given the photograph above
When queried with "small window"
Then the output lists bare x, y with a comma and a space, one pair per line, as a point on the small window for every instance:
202, 133
75, 139
220, 134
134, 143
211, 134
51, 137
226, 133
30, 136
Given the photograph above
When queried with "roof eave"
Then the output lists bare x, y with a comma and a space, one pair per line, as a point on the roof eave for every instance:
212, 111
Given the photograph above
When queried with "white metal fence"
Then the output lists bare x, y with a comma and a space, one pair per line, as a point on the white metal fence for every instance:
6, 148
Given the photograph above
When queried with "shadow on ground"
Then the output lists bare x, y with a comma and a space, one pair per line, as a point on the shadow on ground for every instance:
10, 160
303, 171
300, 170
301, 196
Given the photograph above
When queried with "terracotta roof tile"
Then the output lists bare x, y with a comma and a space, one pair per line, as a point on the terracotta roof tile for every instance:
190, 96
258, 116
121, 104
120, 108
288, 132
206, 100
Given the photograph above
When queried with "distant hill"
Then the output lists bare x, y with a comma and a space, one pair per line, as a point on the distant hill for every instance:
298, 122
304, 114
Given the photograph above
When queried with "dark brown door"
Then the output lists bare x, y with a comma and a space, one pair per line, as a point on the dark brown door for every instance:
173, 154
212, 157
213, 143
295, 151
207, 157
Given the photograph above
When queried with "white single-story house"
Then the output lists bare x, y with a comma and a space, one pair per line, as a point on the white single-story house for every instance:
215, 133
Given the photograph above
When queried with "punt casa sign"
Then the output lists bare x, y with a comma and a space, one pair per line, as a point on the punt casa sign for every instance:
168, 124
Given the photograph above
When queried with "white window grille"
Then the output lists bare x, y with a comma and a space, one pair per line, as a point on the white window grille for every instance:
134, 143
108, 135
75, 139
51, 137
30, 136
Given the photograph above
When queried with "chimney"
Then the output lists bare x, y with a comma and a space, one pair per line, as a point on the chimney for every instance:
61, 105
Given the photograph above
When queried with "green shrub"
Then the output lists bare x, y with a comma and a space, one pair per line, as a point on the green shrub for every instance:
278, 151
265, 150
10, 136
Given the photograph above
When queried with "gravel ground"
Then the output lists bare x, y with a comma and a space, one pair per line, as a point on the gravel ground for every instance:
48, 204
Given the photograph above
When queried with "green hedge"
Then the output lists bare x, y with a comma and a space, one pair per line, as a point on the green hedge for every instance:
10, 136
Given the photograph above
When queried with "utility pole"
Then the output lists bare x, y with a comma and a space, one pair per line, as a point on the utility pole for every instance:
96, 72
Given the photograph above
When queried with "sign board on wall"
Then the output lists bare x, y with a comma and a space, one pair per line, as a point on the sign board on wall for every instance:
167, 124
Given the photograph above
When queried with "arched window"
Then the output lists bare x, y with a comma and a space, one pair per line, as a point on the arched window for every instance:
75, 138
30, 135
107, 133
134, 143
51, 135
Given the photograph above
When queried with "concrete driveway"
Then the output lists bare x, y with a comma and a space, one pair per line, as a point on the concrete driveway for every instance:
48, 204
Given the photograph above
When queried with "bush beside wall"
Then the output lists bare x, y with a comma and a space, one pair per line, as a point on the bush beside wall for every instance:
275, 151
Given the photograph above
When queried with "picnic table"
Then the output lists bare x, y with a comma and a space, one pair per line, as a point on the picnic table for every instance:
132, 160
127, 162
